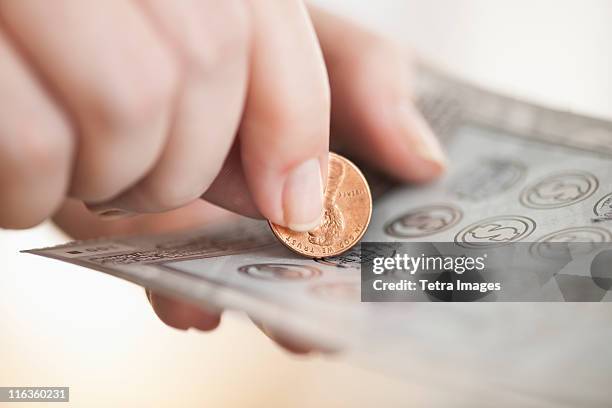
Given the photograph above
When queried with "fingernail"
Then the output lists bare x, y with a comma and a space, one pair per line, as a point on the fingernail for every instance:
303, 197
109, 213
424, 142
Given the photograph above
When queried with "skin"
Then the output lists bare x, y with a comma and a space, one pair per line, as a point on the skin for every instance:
146, 106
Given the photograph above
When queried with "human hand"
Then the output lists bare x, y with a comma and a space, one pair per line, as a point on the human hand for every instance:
76, 220
144, 106
372, 116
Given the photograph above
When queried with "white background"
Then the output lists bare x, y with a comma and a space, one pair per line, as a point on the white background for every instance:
63, 325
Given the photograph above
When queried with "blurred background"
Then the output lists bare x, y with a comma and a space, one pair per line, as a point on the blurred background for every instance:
62, 325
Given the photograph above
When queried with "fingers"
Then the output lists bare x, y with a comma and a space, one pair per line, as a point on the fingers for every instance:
285, 128
35, 145
106, 64
80, 223
285, 342
211, 41
363, 67
181, 315
157, 99
230, 190
372, 111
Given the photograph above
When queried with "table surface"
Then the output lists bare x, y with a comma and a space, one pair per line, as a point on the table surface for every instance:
68, 326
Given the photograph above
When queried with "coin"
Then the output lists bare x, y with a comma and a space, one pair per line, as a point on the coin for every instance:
347, 209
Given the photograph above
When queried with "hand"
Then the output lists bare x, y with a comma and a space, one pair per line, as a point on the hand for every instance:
371, 114
77, 221
134, 106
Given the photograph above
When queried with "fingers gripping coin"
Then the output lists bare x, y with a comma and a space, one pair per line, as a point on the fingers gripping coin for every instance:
347, 211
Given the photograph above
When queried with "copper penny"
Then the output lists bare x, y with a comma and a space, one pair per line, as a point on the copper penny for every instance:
348, 208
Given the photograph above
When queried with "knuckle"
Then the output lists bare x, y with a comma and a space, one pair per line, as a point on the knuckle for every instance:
226, 36
301, 115
306, 124
299, 121
41, 152
135, 99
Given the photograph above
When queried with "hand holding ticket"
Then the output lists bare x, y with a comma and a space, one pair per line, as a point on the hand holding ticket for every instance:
281, 164
151, 132
542, 189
